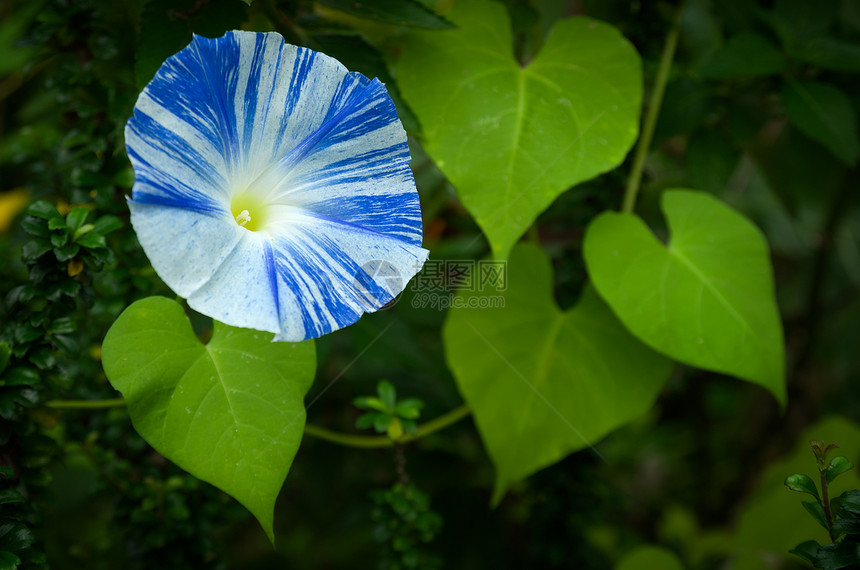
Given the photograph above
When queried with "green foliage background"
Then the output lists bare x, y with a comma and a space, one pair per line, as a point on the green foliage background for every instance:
760, 111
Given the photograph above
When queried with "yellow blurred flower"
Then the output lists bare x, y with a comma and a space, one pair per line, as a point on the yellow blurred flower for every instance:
11, 204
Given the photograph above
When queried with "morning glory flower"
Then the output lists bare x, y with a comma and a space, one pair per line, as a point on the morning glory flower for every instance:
272, 186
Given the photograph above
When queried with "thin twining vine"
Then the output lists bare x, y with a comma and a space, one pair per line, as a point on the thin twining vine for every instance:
349, 440
652, 112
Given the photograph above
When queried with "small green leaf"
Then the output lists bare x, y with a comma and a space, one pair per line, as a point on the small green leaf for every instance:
107, 224
541, 382
63, 325
409, 409
56, 223
705, 299
369, 403
101, 255
35, 227
512, 137
849, 526
229, 412
86, 228
67, 287
8, 560
397, 12
91, 240
66, 343
75, 218
67, 252
838, 466
824, 113
42, 358
807, 550
381, 422
841, 556
21, 294
43, 209
416, 403
34, 249
10, 496
366, 421
6, 472
802, 484
15, 536
387, 394
820, 450
850, 501
24, 333
20, 376
815, 509
59, 239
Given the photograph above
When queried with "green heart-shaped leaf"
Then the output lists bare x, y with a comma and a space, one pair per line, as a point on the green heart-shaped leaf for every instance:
706, 299
230, 412
512, 138
541, 382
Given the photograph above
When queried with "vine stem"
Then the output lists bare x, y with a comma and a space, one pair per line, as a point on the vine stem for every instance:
378, 441
349, 440
651, 114
85, 404
825, 503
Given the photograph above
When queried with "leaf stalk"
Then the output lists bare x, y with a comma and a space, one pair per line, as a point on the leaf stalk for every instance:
634, 181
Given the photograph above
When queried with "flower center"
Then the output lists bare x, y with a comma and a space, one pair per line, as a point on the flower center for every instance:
249, 211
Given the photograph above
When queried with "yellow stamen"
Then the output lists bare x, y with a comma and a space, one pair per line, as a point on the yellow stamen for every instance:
249, 210
244, 217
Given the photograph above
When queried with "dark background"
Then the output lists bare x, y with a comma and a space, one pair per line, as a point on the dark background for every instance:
701, 474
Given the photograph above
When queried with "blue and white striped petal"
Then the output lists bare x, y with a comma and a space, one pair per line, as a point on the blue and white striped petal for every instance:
272, 186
